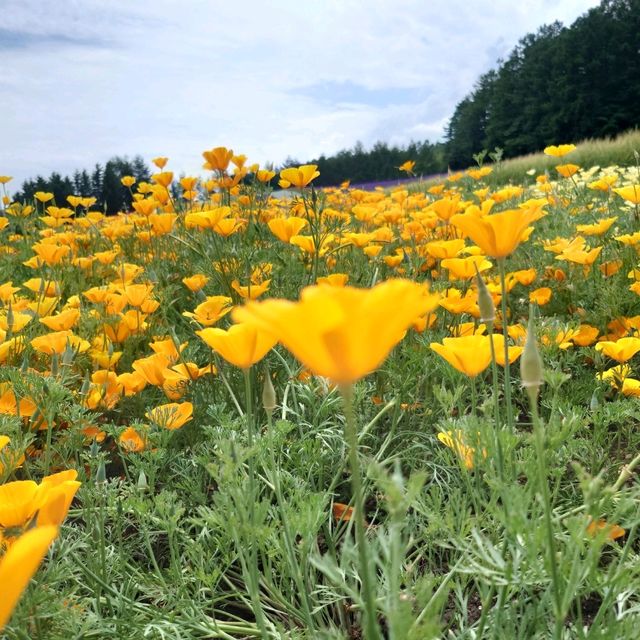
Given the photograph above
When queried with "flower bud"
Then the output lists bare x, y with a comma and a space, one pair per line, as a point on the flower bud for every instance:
268, 394
485, 301
101, 473
530, 361
142, 483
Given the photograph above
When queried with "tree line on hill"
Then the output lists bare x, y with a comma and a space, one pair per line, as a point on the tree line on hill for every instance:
102, 183
561, 84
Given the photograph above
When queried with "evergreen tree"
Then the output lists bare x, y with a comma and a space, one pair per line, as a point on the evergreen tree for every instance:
557, 85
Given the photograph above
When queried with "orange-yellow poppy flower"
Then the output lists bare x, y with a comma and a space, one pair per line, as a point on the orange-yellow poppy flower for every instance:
210, 311
300, 176
342, 333
557, 151
131, 441
470, 355
172, 415
18, 565
630, 193
498, 234
242, 345
285, 228
621, 350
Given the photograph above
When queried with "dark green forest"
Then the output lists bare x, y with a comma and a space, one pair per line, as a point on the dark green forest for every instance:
561, 84
102, 183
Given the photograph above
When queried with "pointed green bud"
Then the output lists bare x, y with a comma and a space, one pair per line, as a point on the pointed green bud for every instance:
24, 367
485, 301
268, 393
55, 364
142, 480
101, 473
530, 361
68, 355
86, 385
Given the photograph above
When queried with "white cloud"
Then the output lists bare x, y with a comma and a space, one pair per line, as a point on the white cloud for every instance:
85, 80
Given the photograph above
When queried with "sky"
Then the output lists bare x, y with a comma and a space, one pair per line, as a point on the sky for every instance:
84, 80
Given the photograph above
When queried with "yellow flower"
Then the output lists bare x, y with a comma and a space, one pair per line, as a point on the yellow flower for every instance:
407, 166
444, 248
300, 176
498, 234
132, 383
559, 150
567, 170
62, 321
250, 292
242, 345
470, 355
228, 226
18, 565
631, 387
285, 228
264, 175
164, 178
58, 341
524, 276
18, 321
514, 351
586, 335
621, 350
477, 174
152, 368
342, 333
446, 207
56, 493
217, 159
171, 416
162, 223
455, 440
210, 311
196, 282
43, 196
603, 184
160, 162
540, 296
612, 531
597, 229
465, 268
334, 279
630, 194
131, 441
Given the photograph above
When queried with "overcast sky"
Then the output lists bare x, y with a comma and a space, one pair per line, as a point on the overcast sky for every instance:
83, 80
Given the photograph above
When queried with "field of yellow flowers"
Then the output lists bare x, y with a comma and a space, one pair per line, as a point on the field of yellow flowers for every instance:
230, 413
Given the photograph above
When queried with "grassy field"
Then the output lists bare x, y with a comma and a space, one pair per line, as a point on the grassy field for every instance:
612, 152
228, 415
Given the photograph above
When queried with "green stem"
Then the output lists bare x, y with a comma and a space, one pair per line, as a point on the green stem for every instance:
539, 435
505, 333
254, 580
370, 625
496, 400
474, 398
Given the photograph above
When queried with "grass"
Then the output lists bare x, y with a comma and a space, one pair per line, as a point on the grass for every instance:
231, 526
617, 151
